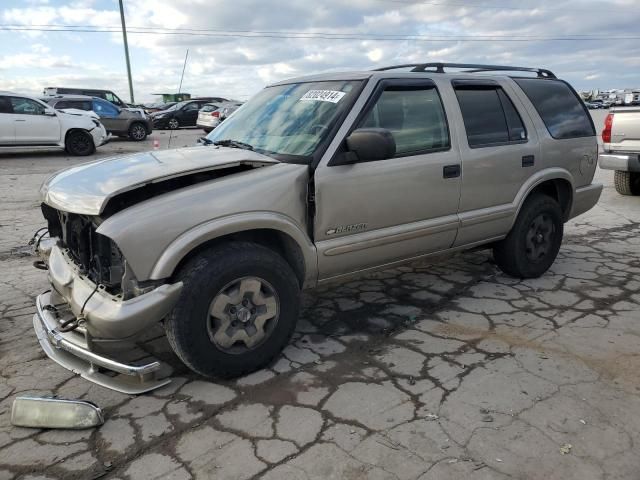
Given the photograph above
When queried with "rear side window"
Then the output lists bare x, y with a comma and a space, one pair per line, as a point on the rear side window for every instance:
5, 105
104, 108
209, 108
79, 104
489, 116
562, 112
415, 117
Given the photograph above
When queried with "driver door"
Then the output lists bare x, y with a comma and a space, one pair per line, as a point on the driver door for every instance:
375, 213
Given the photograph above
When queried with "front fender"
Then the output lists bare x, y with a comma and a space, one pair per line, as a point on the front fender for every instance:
220, 227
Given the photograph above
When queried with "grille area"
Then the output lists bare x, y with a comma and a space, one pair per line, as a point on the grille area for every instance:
96, 255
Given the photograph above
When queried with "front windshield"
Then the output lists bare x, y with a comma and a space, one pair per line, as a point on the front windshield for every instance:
288, 121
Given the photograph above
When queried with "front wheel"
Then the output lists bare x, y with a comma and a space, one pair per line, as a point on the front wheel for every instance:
237, 309
173, 124
627, 183
79, 143
533, 243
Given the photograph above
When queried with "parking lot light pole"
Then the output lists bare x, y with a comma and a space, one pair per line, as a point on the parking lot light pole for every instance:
126, 51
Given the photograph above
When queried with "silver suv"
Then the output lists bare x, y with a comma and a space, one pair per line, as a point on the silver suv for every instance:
315, 179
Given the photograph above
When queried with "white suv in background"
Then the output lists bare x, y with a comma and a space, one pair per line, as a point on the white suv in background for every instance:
28, 122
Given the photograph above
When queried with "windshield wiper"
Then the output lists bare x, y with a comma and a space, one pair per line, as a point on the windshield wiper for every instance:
232, 144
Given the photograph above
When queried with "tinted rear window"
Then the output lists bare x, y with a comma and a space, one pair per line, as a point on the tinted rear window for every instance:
562, 112
489, 116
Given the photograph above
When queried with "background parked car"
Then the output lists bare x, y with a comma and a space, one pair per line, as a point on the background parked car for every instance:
182, 114
158, 107
26, 121
107, 95
211, 114
117, 121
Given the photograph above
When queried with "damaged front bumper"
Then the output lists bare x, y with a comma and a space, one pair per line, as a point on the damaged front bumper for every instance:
106, 325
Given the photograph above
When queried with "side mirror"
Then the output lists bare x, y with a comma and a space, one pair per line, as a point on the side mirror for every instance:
368, 145
50, 112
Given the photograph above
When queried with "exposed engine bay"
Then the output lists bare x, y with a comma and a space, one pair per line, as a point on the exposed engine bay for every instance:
97, 256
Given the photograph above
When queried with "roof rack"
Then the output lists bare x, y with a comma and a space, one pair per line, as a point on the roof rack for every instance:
473, 68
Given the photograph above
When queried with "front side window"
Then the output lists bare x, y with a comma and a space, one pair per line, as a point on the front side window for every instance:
289, 121
104, 108
562, 112
191, 106
414, 116
489, 116
26, 106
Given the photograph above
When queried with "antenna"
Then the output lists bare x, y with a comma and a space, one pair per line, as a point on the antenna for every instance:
179, 90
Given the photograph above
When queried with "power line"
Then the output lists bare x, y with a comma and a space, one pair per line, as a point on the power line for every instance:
447, 4
109, 28
321, 35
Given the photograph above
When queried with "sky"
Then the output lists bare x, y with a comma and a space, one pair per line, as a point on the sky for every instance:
238, 47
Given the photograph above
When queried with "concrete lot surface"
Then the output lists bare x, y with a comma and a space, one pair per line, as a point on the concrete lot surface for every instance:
441, 370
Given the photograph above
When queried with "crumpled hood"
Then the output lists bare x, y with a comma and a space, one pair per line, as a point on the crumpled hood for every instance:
85, 189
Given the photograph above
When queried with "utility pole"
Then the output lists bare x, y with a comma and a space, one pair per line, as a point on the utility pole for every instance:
126, 50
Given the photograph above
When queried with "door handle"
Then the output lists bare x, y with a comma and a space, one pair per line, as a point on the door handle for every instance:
528, 160
451, 171
23, 120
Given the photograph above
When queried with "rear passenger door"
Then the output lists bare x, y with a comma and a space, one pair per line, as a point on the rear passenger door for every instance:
499, 149
189, 114
373, 213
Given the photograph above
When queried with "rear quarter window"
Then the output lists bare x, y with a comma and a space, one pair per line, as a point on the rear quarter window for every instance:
562, 112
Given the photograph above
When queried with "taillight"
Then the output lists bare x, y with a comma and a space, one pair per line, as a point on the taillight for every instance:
215, 114
606, 133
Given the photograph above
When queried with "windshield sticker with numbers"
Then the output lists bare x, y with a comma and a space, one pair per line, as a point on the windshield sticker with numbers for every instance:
332, 96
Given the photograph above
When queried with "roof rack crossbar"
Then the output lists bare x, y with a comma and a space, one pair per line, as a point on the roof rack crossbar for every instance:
473, 68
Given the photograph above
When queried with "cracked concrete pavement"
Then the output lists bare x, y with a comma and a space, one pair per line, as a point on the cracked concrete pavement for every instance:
438, 370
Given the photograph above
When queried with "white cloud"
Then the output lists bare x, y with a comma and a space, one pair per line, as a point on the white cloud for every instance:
236, 66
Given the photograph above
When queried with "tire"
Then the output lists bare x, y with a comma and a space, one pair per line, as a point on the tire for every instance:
195, 333
533, 243
79, 143
137, 132
627, 183
173, 124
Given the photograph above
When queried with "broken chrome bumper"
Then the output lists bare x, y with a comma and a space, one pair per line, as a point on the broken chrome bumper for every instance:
74, 351
104, 330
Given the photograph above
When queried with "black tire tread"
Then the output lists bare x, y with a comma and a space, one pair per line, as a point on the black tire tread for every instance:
78, 132
213, 263
627, 183
508, 255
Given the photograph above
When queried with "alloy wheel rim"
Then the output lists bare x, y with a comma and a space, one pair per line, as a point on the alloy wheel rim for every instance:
242, 315
173, 123
539, 238
138, 132
80, 143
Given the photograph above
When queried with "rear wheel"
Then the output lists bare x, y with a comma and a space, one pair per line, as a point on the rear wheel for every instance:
627, 183
533, 243
173, 124
137, 132
237, 309
79, 143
